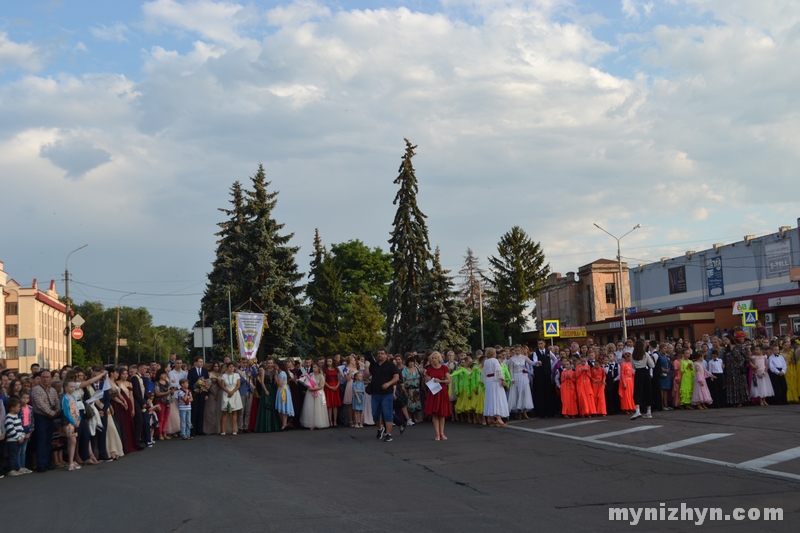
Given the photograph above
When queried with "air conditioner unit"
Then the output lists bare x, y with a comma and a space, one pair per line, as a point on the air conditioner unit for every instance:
769, 318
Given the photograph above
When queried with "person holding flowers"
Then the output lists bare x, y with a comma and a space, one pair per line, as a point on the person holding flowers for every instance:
231, 399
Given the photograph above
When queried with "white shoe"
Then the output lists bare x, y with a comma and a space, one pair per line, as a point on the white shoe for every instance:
14, 473
636, 415
648, 415
410, 423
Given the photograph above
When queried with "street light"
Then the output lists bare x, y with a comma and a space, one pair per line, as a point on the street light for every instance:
621, 286
68, 325
116, 348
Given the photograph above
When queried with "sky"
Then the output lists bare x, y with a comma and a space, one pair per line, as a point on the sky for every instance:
124, 124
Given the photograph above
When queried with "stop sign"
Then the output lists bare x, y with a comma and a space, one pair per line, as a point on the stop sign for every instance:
77, 333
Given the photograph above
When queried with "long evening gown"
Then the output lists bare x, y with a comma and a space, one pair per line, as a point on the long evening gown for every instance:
584, 387
113, 441
211, 414
495, 402
687, 381
124, 418
569, 396
267, 419
736, 389
315, 412
520, 397
626, 402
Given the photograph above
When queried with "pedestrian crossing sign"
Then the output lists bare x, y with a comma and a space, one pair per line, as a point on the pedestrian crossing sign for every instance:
551, 328
749, 318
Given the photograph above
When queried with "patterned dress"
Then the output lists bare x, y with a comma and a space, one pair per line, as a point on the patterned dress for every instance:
736, 390
411, 383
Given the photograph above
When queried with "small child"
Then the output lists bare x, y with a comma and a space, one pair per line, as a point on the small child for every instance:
26, 414
70, 423
15, 438
152, 416
184, 399
358, 399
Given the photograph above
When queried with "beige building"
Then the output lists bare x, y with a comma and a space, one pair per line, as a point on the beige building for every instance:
590, 296
33, 326
3, 280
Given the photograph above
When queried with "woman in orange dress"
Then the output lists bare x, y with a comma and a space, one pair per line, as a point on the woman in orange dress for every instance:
584, 386
599, 387
626, 402
569, 397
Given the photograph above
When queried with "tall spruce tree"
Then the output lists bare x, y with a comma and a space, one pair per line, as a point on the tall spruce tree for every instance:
469, 288
443, 320
226, 271
254, 262
518, 275
326, 309
410, 250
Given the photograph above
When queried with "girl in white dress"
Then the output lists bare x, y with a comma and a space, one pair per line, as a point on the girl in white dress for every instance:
231, 399
495, 406
315, 412
520, 400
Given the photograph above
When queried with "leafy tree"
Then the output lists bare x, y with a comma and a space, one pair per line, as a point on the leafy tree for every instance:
518, 274
363, 270
443, 320
363, 326
410, 251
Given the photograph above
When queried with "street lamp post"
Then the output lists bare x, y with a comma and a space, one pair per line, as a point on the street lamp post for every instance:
621, 285
155, 338
116, 348
68, 323
480, 311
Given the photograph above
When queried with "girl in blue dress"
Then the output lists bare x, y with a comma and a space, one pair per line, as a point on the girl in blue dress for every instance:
358, 399
283, 403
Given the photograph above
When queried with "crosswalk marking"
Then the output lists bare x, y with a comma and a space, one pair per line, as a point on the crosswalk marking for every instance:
688, 442
572, 425
768, 460
621, 432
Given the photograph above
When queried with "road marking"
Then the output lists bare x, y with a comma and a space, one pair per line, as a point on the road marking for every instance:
574, 424
621, 432
738, 466
688, 442
768, 460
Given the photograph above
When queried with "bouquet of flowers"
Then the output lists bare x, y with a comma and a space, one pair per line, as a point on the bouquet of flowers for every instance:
202, 385
309, 382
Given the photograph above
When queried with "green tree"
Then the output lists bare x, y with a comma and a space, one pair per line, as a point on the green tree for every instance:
326, 309
410, 250
363, 270
256, 264
518, 274
443, 321
363, 326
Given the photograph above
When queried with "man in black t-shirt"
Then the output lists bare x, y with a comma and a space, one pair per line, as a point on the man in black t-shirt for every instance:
384, 375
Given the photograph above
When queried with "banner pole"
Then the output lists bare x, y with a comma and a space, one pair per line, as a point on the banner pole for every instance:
230, 323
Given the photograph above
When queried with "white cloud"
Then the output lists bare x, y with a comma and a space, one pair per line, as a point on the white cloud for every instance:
16, 55
118, 32
631, 9
217, 21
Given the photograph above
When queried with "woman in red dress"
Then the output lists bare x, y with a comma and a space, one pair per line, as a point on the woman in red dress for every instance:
332, 398
626, 402
123, 411
437, 406
569, 397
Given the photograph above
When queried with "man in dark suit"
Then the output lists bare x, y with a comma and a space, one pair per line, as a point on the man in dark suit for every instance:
140, 409
199, 402
543, 389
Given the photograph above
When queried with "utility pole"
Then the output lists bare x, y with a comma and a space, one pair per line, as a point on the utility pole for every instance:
621, 283
68, 321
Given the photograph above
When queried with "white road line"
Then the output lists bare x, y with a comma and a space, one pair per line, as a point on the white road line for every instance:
742, 466
574, 424
768, 460
688, 442
635, 429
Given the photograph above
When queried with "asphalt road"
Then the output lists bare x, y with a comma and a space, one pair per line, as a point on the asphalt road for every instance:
537, 475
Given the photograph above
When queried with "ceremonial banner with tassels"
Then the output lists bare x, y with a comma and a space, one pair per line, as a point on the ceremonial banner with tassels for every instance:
249, 327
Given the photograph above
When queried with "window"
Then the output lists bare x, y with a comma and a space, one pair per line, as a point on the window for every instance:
12, 331
11, 352
611, 293
11, 308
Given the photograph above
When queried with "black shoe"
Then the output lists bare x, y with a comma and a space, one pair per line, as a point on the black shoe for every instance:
381, 433
402, 429
388, 438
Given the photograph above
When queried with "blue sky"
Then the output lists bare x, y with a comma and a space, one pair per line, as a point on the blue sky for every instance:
130, 120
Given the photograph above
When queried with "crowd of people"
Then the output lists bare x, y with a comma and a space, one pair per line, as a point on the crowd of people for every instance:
74, 417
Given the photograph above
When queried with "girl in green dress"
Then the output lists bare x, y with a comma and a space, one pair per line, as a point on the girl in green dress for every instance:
267, 419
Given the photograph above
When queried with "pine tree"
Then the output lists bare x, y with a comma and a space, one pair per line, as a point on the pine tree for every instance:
443, 320
471, 275
272, 277
518, 275
317, 256
254, 262
410, 250
326, 309
226, 272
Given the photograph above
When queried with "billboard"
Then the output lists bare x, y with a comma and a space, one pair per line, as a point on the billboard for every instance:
778, 256
716, 286
677, 279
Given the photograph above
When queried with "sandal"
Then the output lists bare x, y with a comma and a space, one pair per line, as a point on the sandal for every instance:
235, 433
222, 434
442, 437
436, 437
